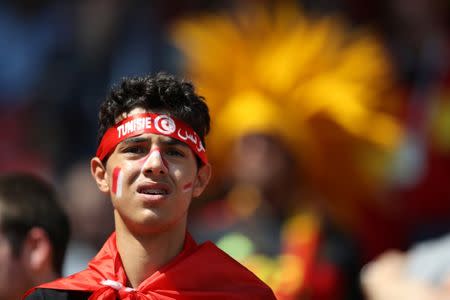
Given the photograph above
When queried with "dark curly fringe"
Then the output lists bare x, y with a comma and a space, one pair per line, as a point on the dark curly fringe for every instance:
162, 92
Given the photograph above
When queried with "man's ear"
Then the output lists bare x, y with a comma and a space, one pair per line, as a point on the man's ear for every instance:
202, 180
98, 171
37, 251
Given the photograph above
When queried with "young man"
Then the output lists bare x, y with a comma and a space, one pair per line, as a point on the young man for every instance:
34, 232
152, 160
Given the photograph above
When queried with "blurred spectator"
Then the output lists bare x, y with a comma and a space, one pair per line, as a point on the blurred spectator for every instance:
417, 206
413, 204
417, 33
307, 127
268, 221
420, 273
34, 232
430, 261
419, 39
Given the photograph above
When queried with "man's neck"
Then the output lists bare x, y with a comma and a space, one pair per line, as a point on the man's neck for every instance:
144, 254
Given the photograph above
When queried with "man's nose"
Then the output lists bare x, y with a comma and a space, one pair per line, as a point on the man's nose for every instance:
155, 163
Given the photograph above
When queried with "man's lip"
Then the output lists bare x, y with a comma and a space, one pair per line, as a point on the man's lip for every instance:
153, 186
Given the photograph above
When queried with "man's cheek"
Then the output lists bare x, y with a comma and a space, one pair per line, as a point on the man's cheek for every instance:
187, 187
117, 182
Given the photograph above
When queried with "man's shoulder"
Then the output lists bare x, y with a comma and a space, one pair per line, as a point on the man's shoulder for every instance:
41, 294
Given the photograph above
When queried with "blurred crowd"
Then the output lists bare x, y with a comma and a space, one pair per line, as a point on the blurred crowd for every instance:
335, 114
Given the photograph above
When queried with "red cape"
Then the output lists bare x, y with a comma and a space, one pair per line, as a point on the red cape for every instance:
198, 272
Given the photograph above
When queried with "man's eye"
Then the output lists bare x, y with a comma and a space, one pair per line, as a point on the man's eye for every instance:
135, 149
174, 152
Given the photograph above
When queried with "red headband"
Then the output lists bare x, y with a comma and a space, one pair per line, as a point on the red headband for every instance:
151, 123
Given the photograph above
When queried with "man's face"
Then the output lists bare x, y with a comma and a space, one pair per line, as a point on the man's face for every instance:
152, 179
13, 278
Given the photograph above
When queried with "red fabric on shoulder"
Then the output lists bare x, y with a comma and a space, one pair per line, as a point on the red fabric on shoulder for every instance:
198, 272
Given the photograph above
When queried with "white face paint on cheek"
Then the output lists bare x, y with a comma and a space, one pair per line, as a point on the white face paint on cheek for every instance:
117, 182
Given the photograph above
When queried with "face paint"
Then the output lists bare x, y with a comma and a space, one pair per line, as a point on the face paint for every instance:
187, 187
155, 154
117, 181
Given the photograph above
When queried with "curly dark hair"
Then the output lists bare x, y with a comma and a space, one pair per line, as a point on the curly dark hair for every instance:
160, 92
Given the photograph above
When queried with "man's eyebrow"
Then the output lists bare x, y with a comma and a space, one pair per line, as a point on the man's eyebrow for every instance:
134, 140
174, 142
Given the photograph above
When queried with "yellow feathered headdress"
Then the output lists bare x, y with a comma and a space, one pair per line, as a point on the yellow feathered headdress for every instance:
307, 80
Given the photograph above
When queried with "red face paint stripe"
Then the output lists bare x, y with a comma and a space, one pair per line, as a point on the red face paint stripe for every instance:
116, 173
187, 186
